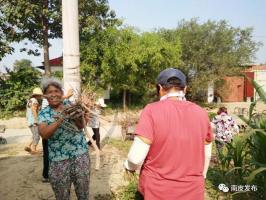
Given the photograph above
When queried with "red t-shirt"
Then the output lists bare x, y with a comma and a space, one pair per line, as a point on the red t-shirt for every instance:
173, 167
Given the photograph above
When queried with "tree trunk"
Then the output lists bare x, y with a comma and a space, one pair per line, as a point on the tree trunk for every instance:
47, 67
129, 100
71, 62
124, 99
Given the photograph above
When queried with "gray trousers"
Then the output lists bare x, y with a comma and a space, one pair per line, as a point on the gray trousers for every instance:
35, 135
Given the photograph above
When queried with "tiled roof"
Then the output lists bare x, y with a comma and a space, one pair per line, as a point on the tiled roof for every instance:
256, 68
56, 61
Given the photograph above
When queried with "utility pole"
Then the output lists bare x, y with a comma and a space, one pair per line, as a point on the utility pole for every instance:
71, 56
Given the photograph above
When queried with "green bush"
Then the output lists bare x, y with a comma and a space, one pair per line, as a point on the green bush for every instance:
258, 162
16, 89
211, 115
243, 162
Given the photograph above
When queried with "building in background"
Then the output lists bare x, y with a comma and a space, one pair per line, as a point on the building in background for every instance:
232, 89
239, 89
258, 72
56, 64
235, 88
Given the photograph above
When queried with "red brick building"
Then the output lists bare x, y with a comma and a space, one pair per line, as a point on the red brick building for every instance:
239, 89
233, 89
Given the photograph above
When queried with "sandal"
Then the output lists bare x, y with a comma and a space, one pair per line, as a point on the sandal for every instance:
35, 152
28, 149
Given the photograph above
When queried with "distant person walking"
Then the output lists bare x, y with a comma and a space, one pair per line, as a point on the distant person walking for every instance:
225, 128
169, 144
95, 122
33, 107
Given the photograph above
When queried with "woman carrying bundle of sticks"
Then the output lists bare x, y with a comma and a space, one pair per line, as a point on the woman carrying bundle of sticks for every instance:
68, 150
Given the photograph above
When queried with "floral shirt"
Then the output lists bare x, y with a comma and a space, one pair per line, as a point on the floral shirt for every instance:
225, 127
64, 144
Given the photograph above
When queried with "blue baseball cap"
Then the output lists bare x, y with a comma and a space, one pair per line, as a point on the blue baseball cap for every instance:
168, 73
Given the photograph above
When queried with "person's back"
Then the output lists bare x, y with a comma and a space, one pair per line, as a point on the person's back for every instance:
170, 140
225, 128
173, 167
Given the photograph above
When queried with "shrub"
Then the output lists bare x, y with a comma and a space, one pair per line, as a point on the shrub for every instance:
16, 89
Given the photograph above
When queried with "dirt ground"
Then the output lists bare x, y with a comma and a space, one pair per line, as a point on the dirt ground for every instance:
21, 175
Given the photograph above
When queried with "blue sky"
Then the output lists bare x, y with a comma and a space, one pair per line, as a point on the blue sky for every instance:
148, 15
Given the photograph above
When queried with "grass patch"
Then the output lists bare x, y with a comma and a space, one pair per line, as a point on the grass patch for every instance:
244, 119
211, 115
122, 146
208, 105
113, 109
129, 192
8, 115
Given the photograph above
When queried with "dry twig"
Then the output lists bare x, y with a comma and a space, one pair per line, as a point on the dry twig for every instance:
128, 119
82, 109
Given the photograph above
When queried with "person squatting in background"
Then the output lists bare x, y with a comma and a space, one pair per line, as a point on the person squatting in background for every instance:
68, 150
33, 107
95, 122
225, 128
169, 144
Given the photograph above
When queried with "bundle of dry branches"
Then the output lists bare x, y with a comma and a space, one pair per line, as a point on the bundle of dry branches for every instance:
82, 109
128, 120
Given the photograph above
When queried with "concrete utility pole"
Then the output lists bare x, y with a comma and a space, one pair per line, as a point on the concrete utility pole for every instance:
71, 62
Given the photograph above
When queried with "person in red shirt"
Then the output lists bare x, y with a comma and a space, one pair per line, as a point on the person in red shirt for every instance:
169, 143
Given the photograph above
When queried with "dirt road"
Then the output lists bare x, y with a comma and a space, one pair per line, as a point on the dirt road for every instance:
20, 175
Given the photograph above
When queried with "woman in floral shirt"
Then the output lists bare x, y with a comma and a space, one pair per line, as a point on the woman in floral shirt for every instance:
225, 128
68, 150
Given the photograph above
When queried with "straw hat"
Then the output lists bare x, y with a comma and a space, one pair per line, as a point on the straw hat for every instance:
101, 103
37, 91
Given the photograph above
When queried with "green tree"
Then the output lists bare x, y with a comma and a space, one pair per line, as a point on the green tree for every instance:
104, 55
212, 50
154, 54
127, 60
23, 63
38, 21
95, 16
94, 47
5, 47
16, 89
